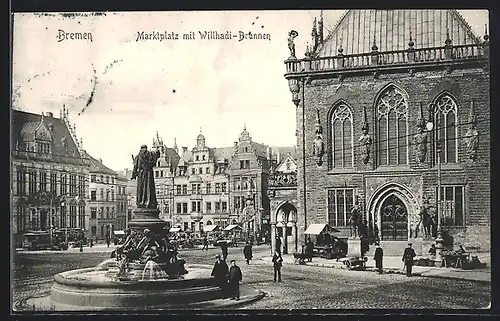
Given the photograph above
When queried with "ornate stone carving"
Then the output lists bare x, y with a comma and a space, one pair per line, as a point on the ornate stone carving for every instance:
318, 146
283, 180
420, 138
472, 136
365, 140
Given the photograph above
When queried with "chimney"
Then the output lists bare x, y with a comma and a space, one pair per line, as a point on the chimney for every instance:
278, 156
268, 153
49, 114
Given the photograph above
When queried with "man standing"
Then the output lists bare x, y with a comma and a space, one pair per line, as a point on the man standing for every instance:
277, 263
205, 243
223, 247
309, 249
235, 277
220, 273
408, 256
247, 252
378, 257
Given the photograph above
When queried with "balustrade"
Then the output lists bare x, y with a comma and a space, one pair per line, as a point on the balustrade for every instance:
392, 58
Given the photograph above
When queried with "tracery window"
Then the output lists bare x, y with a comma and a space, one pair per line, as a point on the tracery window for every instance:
342, 137
445, 118
392, 127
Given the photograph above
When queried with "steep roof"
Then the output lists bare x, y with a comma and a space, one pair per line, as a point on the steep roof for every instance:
283, 151
222, 153
356, 29
260, 149
97, 167
24, 125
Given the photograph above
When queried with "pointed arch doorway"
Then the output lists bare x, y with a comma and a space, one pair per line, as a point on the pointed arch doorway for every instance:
284, 228
393, 219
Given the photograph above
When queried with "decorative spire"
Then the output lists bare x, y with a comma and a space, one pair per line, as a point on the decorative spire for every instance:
448, 40
374, 47
175, 144
307, 53
472, 115
486, 37
421, 119
200, 130
411, 43
365, 120
340, 50
244, 126
320, 27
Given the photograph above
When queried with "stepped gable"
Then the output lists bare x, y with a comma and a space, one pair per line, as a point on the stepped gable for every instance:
356, 29
25, 125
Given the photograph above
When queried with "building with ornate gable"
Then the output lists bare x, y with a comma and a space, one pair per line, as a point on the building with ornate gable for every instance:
212, 185
49, 174
389, 106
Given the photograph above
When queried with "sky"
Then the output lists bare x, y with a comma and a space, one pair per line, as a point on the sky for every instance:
120, 92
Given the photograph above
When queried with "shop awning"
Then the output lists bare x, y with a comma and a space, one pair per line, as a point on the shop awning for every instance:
174, 229
210, 228
315, 229
232, 227
119, 232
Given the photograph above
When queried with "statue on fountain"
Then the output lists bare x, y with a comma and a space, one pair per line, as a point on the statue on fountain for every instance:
146, 247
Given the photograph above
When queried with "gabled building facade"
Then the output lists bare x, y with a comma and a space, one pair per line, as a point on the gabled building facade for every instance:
49, 174
389, 106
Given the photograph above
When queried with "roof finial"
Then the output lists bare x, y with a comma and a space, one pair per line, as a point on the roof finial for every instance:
244, 126
448, 40
340, 50
374, 47
486, 37
411, 43
200, 130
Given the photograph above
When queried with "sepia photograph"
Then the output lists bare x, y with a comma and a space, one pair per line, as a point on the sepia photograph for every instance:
250, 160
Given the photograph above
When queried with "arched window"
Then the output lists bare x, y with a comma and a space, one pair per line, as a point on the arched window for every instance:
446, 119
392, 127
342, 137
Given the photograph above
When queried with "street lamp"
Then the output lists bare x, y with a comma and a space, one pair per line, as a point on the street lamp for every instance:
431, 127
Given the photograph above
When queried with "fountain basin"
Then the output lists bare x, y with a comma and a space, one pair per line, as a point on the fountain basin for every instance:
94, 289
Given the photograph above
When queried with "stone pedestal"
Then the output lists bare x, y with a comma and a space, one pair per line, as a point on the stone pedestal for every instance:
147, 218
354, 247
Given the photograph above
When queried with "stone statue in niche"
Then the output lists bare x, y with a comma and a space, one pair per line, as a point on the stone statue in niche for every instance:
472, 136
291, 46
420, 143
472, 142
318, 146
366, 142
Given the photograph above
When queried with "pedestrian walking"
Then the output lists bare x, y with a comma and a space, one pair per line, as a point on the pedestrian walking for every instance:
223, 247
220, 272
235, 277
309, 249
408, 256
205, 244
247, 252
108, 240
91, 242
378, 257
277, 263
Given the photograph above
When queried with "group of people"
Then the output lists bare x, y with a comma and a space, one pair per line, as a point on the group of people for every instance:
228, 279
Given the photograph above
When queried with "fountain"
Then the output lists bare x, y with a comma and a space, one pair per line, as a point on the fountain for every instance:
144, 273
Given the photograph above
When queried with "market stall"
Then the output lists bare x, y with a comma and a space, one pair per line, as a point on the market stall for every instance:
326, 244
